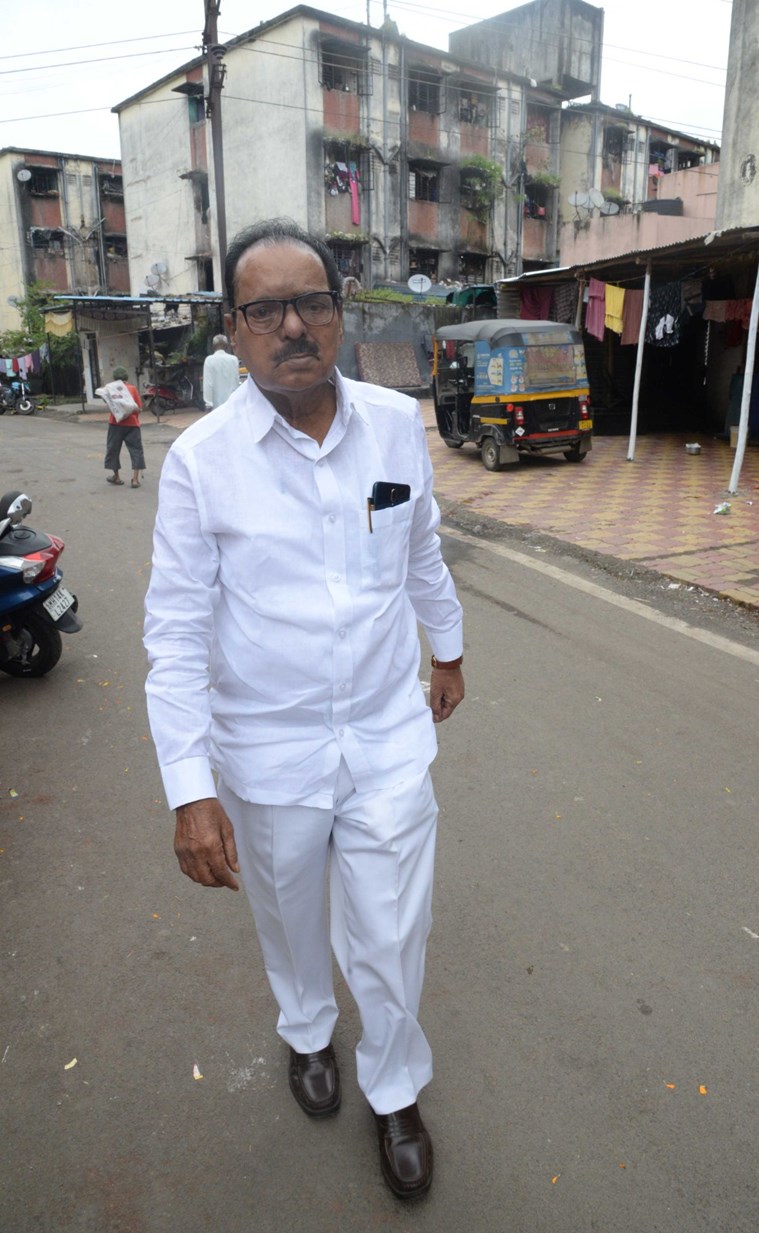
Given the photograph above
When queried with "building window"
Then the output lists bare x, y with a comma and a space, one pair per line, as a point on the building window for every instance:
205, 274
472, 267
423, 261
537, 201
424, 92
44, 182
348, 258
473, 108
344, 165
112, 186
196, 108
424, 182
115, 245
344, 67
49, 239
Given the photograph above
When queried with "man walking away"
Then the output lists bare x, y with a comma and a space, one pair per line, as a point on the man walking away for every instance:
221, 374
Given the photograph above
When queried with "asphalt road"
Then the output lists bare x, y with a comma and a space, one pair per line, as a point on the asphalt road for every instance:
592, 976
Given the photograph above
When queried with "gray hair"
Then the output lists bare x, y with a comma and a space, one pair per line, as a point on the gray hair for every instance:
271, 231
220, 340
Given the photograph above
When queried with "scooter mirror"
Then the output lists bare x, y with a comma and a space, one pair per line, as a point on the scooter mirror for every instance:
19, 508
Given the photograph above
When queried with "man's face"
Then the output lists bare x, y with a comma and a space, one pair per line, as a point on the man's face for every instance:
295, 357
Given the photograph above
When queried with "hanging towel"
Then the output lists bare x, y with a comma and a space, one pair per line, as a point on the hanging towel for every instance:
595, 315
631, 317
355, 204
615, 303
715, 310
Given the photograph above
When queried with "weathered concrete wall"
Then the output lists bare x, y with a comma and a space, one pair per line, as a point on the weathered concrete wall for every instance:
388, 322
738, 200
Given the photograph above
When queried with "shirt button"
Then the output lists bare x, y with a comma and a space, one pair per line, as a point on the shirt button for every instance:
335, 577
332, 518
341, 731
343, 688
341, 633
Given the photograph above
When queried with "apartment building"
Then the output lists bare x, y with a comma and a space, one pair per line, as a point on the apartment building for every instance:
62, 222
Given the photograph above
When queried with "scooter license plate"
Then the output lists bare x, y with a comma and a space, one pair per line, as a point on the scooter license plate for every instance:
59, 602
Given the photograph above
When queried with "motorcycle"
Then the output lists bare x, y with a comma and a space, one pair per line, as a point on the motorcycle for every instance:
171, 395
15, 397
34, 607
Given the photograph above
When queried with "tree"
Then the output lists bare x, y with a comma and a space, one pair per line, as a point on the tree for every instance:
32, 333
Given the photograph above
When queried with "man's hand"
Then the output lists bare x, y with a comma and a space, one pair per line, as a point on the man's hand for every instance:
205, 843
446, 691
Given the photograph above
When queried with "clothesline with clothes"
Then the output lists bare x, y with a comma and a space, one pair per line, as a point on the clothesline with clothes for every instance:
23, 365
611, 306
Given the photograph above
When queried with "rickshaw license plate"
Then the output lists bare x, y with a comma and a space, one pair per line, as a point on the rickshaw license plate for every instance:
585, 425
58, 603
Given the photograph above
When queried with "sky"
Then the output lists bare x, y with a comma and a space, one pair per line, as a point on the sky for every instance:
60, 74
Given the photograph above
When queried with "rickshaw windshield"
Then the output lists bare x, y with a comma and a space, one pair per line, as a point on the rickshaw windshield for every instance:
550, 366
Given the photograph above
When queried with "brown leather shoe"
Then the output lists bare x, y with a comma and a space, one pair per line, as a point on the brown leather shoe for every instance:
315, 1081
405, 1152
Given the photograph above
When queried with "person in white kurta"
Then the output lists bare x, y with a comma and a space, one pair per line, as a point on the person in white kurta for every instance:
284, 694
221, 374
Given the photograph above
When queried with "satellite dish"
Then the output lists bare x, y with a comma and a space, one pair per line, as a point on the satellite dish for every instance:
419, 284
609, 207
596, 197
159, 267
152, 281
23, 175
579, 200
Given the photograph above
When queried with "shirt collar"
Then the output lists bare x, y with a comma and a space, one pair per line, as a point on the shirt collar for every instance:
261, 413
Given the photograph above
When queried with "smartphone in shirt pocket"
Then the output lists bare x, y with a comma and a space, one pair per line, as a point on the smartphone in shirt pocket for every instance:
385, 541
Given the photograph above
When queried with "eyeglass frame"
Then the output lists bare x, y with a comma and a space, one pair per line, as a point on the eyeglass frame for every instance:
335, 296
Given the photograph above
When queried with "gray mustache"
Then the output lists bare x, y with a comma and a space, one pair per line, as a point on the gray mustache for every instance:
302, 347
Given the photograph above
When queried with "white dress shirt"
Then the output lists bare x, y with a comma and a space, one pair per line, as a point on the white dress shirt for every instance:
269, 588
221, 377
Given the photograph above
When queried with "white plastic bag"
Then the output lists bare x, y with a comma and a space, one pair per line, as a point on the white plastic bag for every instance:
118, 399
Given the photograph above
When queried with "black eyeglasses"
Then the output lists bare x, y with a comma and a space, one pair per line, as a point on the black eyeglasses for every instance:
313, 308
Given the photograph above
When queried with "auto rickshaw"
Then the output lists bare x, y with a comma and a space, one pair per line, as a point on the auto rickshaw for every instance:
514, 388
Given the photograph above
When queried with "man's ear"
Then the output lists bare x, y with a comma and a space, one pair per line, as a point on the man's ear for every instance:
230, 321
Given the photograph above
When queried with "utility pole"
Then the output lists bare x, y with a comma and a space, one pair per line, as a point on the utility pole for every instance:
217, 71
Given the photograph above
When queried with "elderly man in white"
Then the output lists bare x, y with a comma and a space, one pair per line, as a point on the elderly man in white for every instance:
221, 374
295, 550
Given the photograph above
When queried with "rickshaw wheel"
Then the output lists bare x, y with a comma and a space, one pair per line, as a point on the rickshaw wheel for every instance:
453, 445
491, 455
574, 455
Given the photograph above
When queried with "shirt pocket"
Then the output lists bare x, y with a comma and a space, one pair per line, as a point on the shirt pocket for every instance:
384, 550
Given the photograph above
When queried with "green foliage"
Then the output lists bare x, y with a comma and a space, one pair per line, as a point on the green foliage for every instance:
389, 295
547, 178
481, 185
32, 332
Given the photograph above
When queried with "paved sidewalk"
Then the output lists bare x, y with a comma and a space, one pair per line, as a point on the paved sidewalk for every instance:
657, 512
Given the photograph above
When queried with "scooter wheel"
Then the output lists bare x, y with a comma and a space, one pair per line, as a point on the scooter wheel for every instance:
40, 651
25, 406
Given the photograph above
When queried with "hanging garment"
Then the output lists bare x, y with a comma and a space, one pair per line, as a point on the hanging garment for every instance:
565, 303
595, 315
355, 203
746, 314
663, 328
59, 324
631, 317
537, 303
715, 310
615, 302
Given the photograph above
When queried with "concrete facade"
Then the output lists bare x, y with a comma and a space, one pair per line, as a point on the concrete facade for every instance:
738, 201
360, 135
61, 222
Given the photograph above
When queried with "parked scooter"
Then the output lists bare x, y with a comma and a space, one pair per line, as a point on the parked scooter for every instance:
34, 607
162, 396
15, 397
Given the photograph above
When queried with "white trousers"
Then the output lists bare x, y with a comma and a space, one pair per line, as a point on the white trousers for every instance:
380, 848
